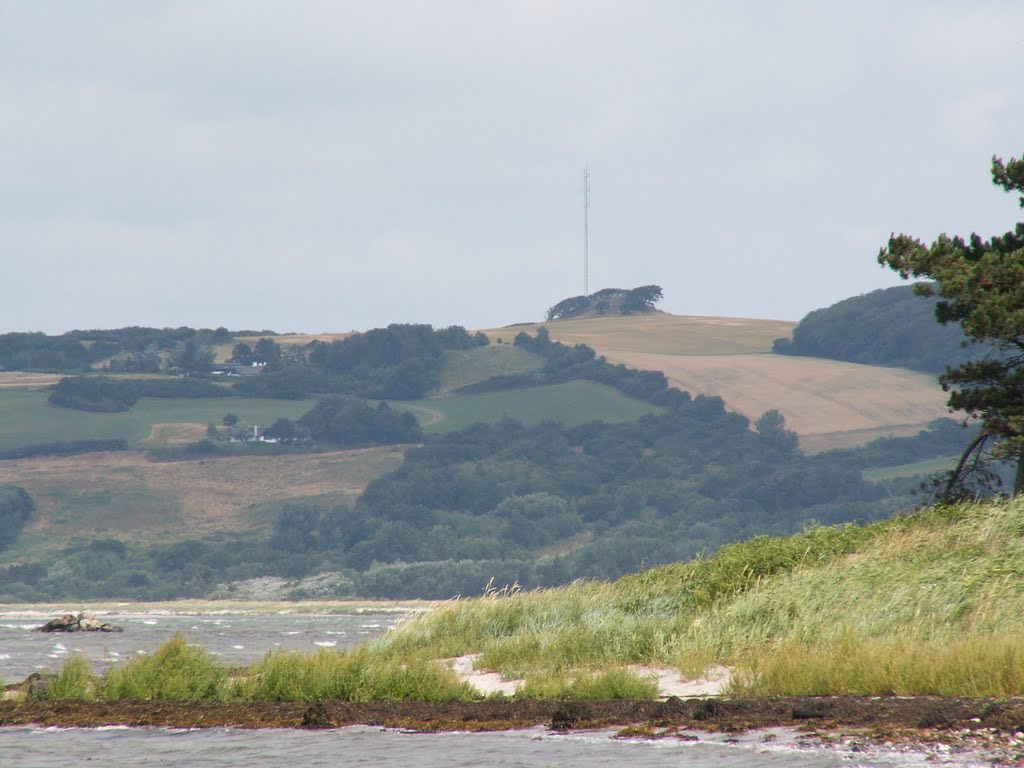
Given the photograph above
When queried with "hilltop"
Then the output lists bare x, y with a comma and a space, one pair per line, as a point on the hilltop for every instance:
828, 403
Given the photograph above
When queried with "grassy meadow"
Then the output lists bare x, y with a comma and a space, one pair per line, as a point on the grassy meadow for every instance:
572, 403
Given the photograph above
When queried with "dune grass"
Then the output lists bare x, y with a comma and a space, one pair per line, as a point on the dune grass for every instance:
356, 675
615, 683
74, 681
929, 603
176, 671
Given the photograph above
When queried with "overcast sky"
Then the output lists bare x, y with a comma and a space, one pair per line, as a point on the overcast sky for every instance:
324, 165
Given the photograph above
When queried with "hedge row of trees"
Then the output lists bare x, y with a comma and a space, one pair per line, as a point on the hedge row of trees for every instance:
104, 394
122, 349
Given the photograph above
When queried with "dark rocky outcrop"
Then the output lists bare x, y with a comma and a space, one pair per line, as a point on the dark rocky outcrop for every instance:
82, 622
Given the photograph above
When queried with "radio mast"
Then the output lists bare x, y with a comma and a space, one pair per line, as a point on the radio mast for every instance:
586, 229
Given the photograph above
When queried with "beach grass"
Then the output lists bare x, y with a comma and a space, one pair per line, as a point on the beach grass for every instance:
616, 683
176, 671
930, 603
74, 682
355, 675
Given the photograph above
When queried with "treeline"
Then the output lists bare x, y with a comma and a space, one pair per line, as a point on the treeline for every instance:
65, 448
104, 394
123, 349
943, 437
349, 422
400, 362
893, 326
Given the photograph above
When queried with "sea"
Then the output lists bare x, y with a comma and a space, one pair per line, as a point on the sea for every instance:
241, 637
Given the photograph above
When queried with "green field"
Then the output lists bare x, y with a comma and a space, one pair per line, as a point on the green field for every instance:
27, 419
469, 366
572, 403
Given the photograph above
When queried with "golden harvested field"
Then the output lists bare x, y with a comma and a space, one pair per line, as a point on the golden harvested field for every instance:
829, 404
23, 380
119, 493
661, 333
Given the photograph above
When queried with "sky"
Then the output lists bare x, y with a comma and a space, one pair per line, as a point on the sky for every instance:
332, 165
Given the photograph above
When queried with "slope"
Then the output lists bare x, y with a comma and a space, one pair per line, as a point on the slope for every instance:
829, 404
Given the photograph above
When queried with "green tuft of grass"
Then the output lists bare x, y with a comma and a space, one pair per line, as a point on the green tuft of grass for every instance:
74, 682
616, 683
177, 671
356, 675
976, 667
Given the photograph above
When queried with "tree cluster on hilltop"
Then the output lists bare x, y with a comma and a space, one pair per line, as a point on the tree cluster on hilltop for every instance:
608, 301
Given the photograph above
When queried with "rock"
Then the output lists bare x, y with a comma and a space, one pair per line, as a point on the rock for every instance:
83, 622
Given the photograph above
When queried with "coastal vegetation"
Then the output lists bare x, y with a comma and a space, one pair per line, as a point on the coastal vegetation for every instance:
923, 604
928, 603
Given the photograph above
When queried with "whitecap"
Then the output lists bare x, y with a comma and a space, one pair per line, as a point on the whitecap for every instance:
325, 643
238, 647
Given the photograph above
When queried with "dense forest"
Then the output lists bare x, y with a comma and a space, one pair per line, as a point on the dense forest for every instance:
541, 505
893, 326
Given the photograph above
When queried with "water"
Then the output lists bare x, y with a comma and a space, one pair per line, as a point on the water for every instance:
364, 746
238, 638
231, 638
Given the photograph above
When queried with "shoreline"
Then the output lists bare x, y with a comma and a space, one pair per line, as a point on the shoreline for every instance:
215, 607
980, 729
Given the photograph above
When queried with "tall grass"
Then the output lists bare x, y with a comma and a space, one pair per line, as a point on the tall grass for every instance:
926, 603
356, 675
74, 681
176, 671
614, 683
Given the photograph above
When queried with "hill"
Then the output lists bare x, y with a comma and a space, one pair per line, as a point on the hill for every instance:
921, 604
893, 326
829, 404
541, 462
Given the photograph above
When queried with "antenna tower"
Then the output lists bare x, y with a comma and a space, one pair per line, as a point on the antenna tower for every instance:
586, 229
